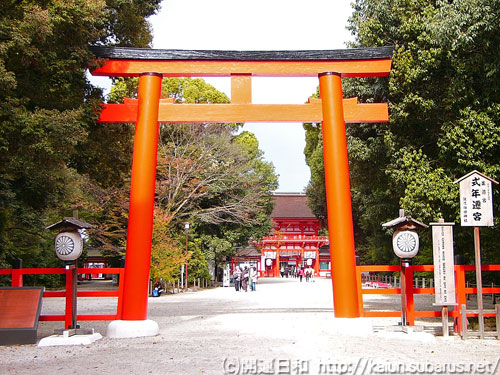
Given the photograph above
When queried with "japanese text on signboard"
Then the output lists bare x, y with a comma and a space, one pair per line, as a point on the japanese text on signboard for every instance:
476, 203
444, 277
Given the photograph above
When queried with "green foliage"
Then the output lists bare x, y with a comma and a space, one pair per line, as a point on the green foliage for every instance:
460, 140
217, 181
49, 141
314, 158
167, 251
443, 94
191, 90
427, 189
204, 174
182, 90
55, 157
217, 249
123, 88
198, 265
208, 176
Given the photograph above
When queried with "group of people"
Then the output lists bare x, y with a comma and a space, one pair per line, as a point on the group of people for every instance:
299, 272
157, 289
243, 277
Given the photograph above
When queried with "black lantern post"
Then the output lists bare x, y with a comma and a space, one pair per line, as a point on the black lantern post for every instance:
405, 243
69, 247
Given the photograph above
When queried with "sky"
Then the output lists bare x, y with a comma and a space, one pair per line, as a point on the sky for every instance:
260, 25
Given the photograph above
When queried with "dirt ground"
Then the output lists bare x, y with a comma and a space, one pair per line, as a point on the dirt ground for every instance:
285, 327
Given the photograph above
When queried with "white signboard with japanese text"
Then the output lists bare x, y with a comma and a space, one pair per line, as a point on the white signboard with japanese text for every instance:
444, 275
309, 254
476, 201
270, 254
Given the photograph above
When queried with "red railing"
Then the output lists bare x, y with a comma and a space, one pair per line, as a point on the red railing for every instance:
460, 284
460, 287
17, 281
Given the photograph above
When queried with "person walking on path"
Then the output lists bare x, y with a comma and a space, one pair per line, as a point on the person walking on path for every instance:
244, 279
237, 278
282, 271
253, 278
300, 273
311, 274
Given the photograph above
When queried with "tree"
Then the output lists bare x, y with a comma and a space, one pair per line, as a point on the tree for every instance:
182, 90
444, 112
208, 176
315, 190
48, 135
167, 254
204, 174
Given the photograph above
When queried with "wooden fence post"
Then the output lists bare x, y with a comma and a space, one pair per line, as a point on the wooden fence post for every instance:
463, 325
121, 277
360, 294
461, 296
68, 316
17, 274
497, 320
410, 304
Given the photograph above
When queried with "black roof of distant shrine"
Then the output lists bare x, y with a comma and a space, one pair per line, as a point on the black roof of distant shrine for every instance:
127, 53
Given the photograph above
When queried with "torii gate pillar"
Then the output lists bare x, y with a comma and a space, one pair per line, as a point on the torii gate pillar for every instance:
140, 223
338, 198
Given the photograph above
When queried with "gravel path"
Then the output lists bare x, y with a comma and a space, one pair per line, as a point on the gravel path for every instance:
285, 327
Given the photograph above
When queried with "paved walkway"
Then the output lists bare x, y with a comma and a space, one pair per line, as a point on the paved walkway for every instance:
285, 327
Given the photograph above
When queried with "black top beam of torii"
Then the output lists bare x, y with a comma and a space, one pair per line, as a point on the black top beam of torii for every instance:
126, 53
241, 66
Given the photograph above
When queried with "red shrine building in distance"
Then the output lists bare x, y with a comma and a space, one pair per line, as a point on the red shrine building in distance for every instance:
293, 242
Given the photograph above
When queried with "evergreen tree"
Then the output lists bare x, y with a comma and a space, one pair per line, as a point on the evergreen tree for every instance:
443, 95
48, 135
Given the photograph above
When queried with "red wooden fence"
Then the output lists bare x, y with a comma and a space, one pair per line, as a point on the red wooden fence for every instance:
17, 281
460, 288
461, 291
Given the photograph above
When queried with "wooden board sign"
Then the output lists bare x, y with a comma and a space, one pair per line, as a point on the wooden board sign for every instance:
444, 276
476, 200
19, 312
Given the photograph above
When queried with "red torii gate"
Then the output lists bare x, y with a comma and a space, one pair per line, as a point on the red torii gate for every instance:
149, 109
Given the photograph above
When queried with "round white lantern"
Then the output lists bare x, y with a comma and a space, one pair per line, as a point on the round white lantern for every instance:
405, 244
269, 262
69, 246
309, 262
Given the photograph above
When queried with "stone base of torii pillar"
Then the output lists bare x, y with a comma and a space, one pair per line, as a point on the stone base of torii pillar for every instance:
121, 329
